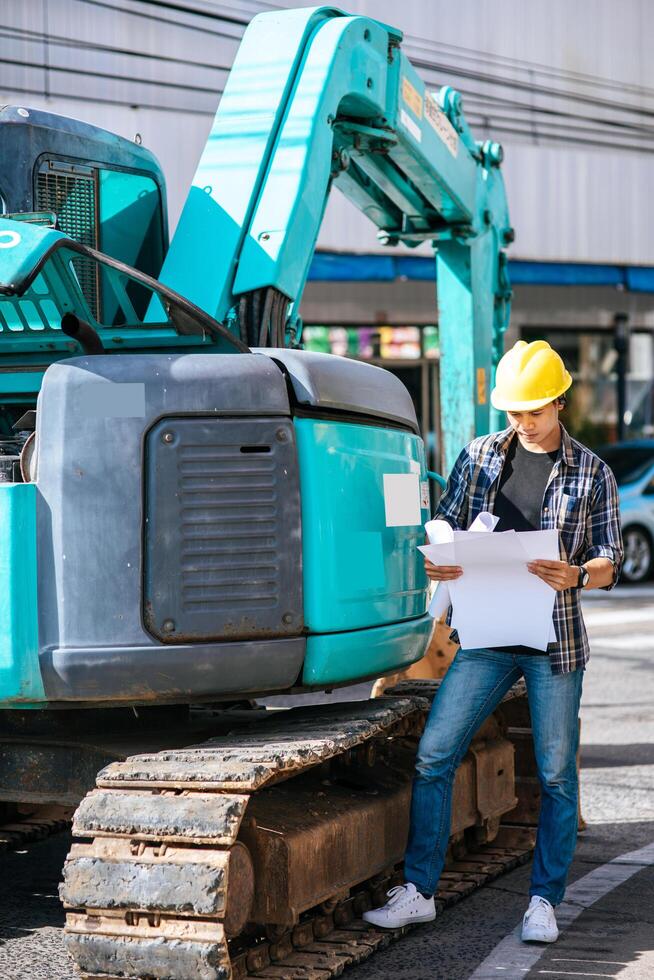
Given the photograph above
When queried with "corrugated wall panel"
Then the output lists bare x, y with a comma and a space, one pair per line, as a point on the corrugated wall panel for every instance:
567, 88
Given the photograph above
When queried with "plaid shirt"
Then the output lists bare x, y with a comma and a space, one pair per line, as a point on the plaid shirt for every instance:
580, 501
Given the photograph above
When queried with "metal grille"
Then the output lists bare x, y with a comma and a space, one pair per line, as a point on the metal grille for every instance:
224, 496
73, 198
223, 530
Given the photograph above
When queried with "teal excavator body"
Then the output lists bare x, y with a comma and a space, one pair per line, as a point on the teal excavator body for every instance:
194, 508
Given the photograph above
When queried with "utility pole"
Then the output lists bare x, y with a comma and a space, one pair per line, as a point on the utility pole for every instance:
621, 347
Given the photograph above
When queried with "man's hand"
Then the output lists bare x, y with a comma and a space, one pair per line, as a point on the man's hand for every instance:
558, 574
442, 573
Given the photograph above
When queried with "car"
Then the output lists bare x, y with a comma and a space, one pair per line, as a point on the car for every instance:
633, 465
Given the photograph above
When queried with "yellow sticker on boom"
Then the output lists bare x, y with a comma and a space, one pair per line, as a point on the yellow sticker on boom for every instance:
412, 97
481, 386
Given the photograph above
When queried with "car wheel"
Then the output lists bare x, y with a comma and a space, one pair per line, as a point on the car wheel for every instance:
638, 555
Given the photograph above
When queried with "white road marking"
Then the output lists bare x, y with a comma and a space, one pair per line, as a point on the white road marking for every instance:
513, 958
575, 959
569, 973
633, 641
621, 594
615, 617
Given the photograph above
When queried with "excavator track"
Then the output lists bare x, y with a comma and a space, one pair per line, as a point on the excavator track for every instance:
24, 829
161, 882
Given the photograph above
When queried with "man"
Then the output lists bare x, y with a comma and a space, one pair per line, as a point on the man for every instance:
532, 476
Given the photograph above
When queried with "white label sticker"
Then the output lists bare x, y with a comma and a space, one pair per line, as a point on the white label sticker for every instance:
112, 400
411, 125
441, 124
414, 466
425, 503
402, 499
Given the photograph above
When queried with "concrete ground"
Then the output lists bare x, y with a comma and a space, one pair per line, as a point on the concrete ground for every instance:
612, 936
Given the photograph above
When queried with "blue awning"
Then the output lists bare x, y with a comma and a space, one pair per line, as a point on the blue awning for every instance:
344, 267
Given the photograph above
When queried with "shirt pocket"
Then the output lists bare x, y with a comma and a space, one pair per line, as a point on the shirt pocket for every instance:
571, 523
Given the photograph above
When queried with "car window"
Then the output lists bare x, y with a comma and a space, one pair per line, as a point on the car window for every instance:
628, 464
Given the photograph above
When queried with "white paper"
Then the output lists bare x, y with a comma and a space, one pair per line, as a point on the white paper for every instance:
498, 601
483, 522
440, 532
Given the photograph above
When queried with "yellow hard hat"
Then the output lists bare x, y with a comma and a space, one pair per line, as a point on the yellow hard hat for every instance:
528, 377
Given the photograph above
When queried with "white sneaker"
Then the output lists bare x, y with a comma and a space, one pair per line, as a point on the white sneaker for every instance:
539, 924
405, 906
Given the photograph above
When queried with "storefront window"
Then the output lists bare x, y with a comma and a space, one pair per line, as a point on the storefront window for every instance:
374, 342
430, 341
409, 352
591, 358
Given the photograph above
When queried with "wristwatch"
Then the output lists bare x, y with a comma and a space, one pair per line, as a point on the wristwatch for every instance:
584, 577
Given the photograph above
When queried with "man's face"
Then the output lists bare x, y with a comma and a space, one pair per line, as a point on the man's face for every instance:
536, 427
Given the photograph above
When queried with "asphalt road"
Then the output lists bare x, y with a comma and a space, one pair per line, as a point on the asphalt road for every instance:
611, 912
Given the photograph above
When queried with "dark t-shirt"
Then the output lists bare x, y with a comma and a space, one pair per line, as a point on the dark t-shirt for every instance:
519, 500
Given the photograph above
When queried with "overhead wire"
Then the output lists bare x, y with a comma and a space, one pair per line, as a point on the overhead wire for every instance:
502, 125
90, 73
585, 78
58, 40
437, 49
454, 70
498, 100
610, 127
550, 118
203, 29
519, 64
185, 8
104, 100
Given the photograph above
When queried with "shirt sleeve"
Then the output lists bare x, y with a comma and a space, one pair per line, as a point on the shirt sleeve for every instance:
604, 531
453, 505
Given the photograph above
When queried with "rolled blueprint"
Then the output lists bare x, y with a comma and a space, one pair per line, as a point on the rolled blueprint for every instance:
440, 532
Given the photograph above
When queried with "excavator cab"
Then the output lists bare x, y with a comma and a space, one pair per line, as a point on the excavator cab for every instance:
103, 191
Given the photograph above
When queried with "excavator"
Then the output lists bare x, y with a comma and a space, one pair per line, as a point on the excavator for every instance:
198, 513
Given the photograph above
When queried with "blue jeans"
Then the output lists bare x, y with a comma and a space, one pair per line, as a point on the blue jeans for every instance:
472, 688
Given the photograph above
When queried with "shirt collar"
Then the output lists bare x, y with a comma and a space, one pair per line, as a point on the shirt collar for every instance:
567, 449
502, 440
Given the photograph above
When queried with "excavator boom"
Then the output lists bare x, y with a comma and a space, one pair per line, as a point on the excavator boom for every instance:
317, 99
